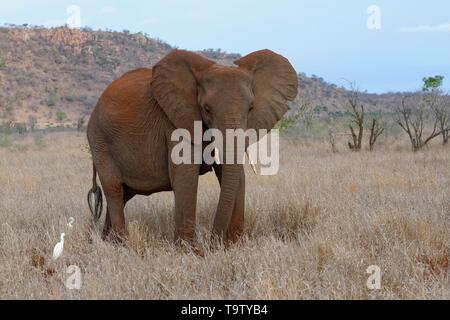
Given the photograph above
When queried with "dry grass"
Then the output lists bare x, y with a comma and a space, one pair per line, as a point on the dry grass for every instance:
311, 231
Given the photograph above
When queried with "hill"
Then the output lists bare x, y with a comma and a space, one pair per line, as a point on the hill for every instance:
53, 77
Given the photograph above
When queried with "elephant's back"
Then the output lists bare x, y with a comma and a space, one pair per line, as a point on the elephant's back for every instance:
130, 87
125, 100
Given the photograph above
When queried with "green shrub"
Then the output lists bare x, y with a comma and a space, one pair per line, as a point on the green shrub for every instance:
5, 142
51, 101
61, 116
32, 122
21, 128
39, 141
6, 128
8, 111
286, 123
20, 147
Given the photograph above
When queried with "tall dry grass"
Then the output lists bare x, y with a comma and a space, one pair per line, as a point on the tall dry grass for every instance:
311, 231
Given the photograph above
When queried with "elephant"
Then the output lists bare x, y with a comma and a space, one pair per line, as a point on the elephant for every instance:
129, 134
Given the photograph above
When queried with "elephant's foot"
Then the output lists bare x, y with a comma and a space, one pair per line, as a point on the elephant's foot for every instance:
189, 246
106, 233
217, 240
116, 238
196, 250
233, 235
235, 229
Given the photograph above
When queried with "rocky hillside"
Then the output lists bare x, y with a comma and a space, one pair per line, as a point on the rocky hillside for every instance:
333, 99
53, 77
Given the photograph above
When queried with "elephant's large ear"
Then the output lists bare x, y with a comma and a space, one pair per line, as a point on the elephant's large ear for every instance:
174, 86
275, 82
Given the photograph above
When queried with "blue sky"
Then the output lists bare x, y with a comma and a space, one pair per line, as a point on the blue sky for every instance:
328, 38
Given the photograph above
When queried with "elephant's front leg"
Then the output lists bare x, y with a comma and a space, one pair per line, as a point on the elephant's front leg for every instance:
184, 179
236, 227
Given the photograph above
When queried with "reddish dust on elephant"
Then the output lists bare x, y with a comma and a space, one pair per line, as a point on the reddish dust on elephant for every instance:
130, 130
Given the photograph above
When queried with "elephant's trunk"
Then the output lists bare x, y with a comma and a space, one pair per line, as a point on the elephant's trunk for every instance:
231, 179
231, 173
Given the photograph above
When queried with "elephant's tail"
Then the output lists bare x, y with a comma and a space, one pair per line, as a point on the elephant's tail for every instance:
96, 191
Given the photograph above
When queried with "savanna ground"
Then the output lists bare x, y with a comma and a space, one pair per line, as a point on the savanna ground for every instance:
311, 231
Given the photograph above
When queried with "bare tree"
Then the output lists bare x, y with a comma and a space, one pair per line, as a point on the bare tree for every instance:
433, 95
376, 130
80, 122
356, 110
304, 110
412, 117
32, 121
301, 111
442, 114
332, 140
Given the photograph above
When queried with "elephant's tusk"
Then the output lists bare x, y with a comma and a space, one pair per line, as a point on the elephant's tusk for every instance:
216, 156
252, 163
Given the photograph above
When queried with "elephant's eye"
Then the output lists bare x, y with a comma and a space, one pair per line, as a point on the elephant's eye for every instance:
207, 108
251, 107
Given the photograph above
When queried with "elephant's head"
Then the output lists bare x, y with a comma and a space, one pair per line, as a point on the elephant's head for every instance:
251, 95
189, 88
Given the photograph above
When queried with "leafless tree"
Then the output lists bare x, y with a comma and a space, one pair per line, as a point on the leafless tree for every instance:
304, 110
332, 140
32, 121
376, 130
441, 112
80, 122
413, 115
356, 110
301, 111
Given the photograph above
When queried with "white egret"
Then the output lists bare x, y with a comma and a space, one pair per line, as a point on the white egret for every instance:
59, 247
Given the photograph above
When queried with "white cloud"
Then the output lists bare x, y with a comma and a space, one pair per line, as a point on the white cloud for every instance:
149, 22
442, 28
106, 11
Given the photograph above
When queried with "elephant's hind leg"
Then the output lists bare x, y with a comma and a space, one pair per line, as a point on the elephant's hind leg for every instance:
114, 228
108, 225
